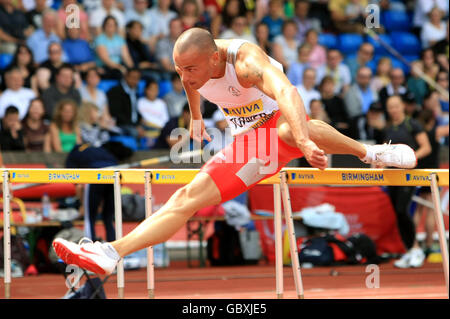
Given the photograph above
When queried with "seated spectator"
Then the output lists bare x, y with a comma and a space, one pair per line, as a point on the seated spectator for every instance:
422, 9
122, 102
371, 127
412, 109
40, 40
91, 5
89, 121
317, 111
275, 18
140, 53
434, 29
334, 106
165, 140
429, 65
112, 51
442, 80
192, 15
78, 50
306, 89
360, 96
295, 72
318, 55
176, 98
338, 71
46, 72
416, 84
285, 45
262, 37
230, 10
11, 135
64, 132
35, 128
303, 21
355, 12
162, 14
34, 15
62, 89
381, 77
14, 27
363, 57
64, 20
153, 111
239, 30
164, 48
140, 12
98, 16
441, 50
346, 15
23, 60
16, 94
395, 87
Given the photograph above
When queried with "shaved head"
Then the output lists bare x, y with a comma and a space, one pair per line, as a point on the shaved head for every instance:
197, 38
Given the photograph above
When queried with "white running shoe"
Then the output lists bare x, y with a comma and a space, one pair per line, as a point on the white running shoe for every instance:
417, 258
404, 261
87, 255
394, 155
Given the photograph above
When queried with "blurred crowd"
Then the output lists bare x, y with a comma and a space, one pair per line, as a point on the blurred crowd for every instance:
91, 71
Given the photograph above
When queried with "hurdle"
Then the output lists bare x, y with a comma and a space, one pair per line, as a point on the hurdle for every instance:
286, 177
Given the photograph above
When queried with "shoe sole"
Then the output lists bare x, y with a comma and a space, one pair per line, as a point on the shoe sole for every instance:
71, 258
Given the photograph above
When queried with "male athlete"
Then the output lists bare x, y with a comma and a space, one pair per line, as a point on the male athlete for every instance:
257, 99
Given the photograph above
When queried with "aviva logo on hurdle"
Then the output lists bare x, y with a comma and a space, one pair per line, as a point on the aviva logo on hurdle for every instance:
417, 178
302, 176
101, 176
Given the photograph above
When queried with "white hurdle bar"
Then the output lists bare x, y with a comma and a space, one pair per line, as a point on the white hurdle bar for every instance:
6, 235
119, 232
148, 213
278, 240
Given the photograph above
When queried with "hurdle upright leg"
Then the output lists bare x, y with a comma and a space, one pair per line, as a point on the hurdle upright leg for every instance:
6, 235
291, 232
148, 213
278, 241
440, 225
118, 224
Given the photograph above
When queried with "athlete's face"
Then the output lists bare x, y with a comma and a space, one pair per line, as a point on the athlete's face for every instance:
195, 67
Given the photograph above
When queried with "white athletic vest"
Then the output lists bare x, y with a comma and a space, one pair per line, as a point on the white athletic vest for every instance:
243, 108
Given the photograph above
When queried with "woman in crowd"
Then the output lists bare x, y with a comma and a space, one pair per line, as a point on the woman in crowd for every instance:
381, 77
91, 129
35, 129
434, 29
429, 65
23, 59
262, 37
64, 132
286, 44
318, 55
230, 10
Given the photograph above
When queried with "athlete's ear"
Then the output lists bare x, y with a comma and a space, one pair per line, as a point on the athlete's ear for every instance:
215, 57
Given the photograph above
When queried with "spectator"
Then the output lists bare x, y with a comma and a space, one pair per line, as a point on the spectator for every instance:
64, 21
122, 101
262, 37
35, 128
429, 64
98, 16
338, 71
371, 128
165, 140
15, 94
64, 132
176, 98
11, 136
395, 87
304, 23
14, 27
285, 45
239, 30
161, 14
275, 18
112, 51
306, 89
318, 55
412, 109
39, 41
416, 84
140, 53
441, 50
46, 73
91, 130
164, 48
355, 12
91, 5
78, 50
318, 111
34, 16
343, 18
402, 129
422, 8
230, 10
191, 15
153, 111
27, 5
434, 29
296, 70
62, 89
360, 96
442, 80
363, 57
431, 102
334, 106
140, 12
23, 60
381, 78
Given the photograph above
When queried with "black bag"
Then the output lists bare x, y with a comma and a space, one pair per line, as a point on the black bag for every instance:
316, 251
224, 247
133, 207
365, 249
19, 252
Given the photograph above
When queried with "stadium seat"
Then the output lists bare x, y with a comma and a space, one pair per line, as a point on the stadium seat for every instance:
380, 49
349, 43
328, 40
394, 20
105, 85
396, 63
406, 43
5, 60
141, 88
164, 88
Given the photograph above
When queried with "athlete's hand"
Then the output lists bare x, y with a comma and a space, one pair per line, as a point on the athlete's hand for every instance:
314, 155
197, 130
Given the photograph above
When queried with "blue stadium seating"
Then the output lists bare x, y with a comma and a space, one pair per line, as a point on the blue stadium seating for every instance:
406, 43
396, 63
5, 60
393, 20
328, 40
349, 43
164, 87
105, 85
379, 49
